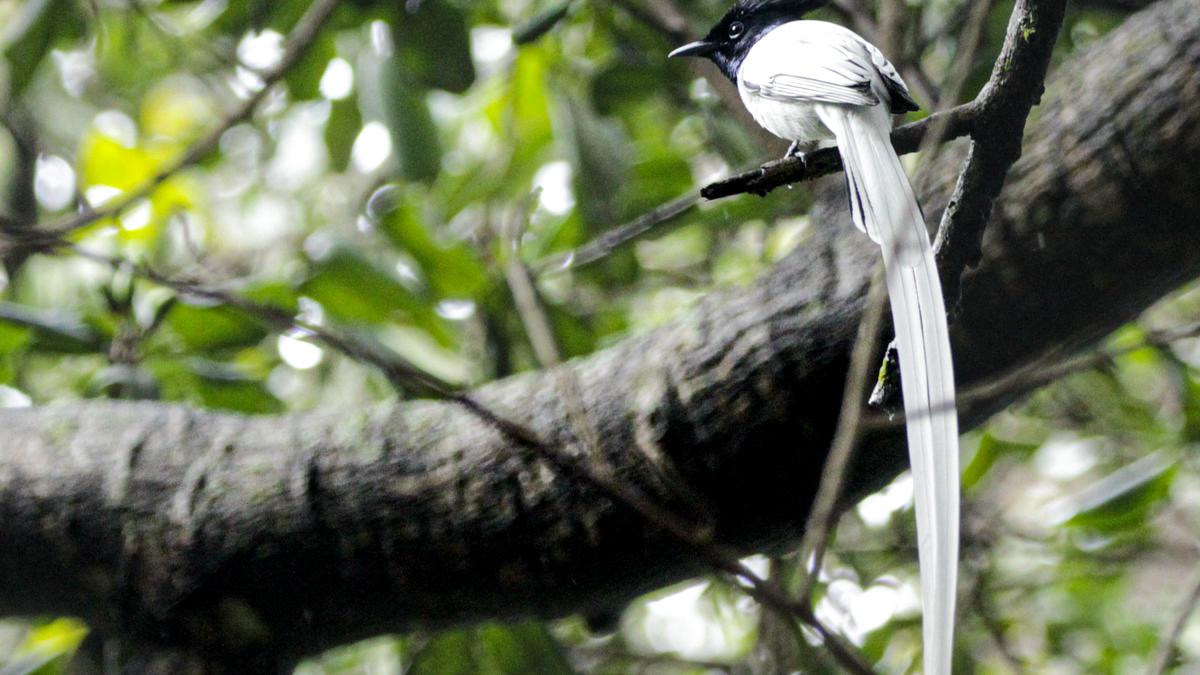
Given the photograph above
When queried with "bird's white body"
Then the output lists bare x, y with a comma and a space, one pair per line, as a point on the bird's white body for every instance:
789, 121
826, 49
810, 81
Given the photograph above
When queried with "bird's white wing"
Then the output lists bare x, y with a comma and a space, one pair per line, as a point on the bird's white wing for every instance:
786, 87
899, 100
835, 66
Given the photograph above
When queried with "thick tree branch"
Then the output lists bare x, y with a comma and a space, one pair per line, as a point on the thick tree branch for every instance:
1016, 85
262, 539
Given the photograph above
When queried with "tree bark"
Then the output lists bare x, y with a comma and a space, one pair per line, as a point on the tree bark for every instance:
250, 542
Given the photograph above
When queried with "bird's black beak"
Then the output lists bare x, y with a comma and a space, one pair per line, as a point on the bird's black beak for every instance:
698, 48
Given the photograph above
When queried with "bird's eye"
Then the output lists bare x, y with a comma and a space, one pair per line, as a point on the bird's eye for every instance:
736, 30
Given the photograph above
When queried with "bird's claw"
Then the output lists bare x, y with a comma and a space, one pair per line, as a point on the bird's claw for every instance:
796, 150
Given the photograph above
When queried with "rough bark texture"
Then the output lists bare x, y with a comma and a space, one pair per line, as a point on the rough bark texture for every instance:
997, 137
252, 541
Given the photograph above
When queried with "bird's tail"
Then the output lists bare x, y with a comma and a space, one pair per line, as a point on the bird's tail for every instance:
884, 206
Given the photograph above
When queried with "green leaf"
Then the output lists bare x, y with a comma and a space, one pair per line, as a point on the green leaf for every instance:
433, 44
304, 79
48, 649
1125, 498
602, 155
624, 82
523, 648
656, 179
446, 654
353, 290
237, 394
406, 114
493, 649
52, 331
13, 337
208, 327
213, 327
30, 36
215, 385
280, 15
528, 112
1191, 406
451, 268
541, 23
575, 337
989, 451
342, 129
239, 17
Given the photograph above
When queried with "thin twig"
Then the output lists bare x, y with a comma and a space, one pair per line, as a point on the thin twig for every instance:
762, 180
545, 346
400, 372
1165, 654
943, 126
603, 246
848, 434
968, 49
541, 337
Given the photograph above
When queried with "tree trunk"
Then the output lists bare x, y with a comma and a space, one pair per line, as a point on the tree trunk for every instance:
265, 539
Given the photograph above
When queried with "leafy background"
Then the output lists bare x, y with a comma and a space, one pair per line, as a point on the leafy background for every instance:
382, 188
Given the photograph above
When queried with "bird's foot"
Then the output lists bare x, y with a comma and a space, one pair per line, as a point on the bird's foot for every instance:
798, 149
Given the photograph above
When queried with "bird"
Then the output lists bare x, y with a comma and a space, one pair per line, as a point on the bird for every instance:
810, 82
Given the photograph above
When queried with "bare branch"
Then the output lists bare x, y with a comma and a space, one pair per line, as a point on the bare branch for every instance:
1015, 87
958, 122
887, 389
968, 48
604, 245
1164, 656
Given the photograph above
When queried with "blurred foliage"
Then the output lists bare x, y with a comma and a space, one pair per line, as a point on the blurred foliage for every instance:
372, 192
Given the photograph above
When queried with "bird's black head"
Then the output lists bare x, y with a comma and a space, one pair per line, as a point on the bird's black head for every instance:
728, 42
